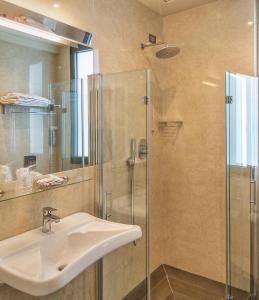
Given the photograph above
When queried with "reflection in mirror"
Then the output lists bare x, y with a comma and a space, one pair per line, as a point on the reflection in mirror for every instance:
44, 105
82, 62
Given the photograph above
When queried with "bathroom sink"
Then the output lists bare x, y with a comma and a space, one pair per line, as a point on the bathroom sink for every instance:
39, 264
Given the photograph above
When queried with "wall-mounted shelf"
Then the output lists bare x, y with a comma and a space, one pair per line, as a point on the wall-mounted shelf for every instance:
10, 192
22, 109
168, 124
169, 129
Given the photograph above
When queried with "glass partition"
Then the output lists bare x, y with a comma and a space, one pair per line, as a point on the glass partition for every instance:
123, 175
242, 162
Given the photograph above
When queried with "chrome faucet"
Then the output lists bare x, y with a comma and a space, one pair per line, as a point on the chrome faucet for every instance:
48, 219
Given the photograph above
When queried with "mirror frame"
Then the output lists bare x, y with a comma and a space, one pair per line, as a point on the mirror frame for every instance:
60, 31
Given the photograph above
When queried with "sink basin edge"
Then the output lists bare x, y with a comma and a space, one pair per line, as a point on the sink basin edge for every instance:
56, 279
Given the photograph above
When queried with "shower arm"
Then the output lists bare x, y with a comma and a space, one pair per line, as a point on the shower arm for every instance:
149, 44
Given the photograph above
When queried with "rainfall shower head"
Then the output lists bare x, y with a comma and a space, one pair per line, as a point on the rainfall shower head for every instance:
165, 50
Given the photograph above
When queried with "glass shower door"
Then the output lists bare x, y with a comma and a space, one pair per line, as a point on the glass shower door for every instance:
242, 162
124, 178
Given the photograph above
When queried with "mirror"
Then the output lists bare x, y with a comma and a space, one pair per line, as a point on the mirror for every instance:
43, 94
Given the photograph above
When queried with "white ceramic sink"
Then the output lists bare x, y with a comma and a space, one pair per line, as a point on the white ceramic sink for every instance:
39, 264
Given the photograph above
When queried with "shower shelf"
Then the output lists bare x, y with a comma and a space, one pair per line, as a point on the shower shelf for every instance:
21, 109
167, 124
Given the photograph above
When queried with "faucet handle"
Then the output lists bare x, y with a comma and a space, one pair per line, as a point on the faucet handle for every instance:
48, 210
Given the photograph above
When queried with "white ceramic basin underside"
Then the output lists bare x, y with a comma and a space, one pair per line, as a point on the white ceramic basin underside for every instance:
39, 264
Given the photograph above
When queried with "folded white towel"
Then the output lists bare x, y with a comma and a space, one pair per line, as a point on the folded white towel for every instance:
51, 180
44, 181
25, 96
24, 100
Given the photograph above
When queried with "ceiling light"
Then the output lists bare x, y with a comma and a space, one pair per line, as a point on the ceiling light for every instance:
208, 83
250, 23
56, 5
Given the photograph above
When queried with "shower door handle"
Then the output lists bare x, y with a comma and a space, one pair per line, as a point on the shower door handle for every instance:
253, 251
252, 192
252, 185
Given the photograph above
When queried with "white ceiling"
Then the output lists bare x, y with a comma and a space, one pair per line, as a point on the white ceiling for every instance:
167, 7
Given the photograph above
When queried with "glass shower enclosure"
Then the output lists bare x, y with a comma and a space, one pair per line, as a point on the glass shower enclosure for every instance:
122, 108
242, 168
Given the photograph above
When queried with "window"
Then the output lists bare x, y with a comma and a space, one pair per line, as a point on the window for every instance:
243, 119
82, 62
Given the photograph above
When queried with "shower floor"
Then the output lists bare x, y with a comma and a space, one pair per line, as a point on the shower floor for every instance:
168, 283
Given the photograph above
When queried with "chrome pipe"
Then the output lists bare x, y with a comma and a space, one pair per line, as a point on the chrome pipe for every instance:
108, 196
149, 44
131, 164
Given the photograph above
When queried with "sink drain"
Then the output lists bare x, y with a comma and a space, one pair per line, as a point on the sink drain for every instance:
62, 267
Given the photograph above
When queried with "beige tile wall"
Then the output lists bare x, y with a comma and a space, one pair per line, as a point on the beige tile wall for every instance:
213, 38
